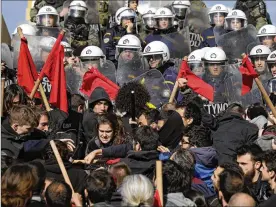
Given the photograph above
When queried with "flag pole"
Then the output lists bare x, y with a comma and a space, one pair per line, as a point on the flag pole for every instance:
264, 93
159, 180
44, 98
2, 92
175, 88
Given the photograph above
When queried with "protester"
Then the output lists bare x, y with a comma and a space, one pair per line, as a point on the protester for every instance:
240, 200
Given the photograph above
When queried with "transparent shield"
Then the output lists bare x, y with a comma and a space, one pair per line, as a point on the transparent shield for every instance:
74, 75
177, 42
6, 55
235, 43
38, 53
130, 65
159, 91
53, 32
197, 21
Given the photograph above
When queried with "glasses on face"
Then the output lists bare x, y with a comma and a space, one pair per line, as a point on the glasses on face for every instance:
153, 57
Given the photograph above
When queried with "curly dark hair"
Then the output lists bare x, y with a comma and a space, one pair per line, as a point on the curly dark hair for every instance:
123, 99
198, 136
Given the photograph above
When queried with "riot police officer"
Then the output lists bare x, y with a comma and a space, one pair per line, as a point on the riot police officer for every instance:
157, 55
57, 4
149, 23
125, 19
259, 55
81, 33
127, 46
235, 20
195, 62
267, 36
217, 16
255, 11
215, 72
180, 9
92, 56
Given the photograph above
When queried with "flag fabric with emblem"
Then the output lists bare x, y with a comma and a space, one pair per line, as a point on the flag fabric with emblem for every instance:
93, 79
248, 75
195, 83
26, 71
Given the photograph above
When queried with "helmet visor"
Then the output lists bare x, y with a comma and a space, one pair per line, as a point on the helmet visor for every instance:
77, 13
259, 63
217, 19
164, 23
234, 24
214, 70
149, 22
48, 20
180, 12
93, 62
197, 68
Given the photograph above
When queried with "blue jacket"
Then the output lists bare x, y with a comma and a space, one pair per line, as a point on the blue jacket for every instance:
169, 74
208, 38
206, 163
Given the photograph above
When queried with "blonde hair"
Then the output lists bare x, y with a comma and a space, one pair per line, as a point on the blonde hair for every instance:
137, 190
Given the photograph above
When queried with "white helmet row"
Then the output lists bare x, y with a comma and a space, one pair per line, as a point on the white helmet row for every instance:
128, 42
78, 9
217, 11
157, 48
259, 50
47, 16
235, 20
180, 8
125, 12
148, 18
214, 55
27, 29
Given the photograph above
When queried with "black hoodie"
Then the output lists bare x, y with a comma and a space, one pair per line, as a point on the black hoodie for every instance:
171, 133
90, 118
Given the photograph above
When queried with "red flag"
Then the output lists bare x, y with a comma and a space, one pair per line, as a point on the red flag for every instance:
51, 60
157, 201
196, 83
248, 75
26, 71
93, 79
56, 75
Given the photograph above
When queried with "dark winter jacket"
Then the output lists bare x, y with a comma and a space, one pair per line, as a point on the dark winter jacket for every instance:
142, 162
90, 118
232, 132
77, 176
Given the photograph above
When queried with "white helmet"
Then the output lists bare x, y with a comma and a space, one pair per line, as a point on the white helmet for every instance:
47, 43
267, 30
196, 56
78, 9
67, 46
26, 29
218, 9
91, 52
233, 17
125, 12
45, 15
271, 57
214, 55
157, 48
148, 18
180, 8
164, 13
128, 42
259, 50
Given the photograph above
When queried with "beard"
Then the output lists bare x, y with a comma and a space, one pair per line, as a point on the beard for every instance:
248, 177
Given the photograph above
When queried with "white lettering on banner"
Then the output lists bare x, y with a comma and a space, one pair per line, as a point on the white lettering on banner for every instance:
46, 85
216, 108
195, 40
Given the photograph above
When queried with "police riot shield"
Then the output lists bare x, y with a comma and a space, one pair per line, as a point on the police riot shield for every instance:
53, 32
155, 83
235, 43
74, 76
197, 21
106, 67
6, 55
130, 65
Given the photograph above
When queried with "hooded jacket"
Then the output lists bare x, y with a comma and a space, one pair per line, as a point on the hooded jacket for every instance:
90, 118
206, 162
171, 133
233, 131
